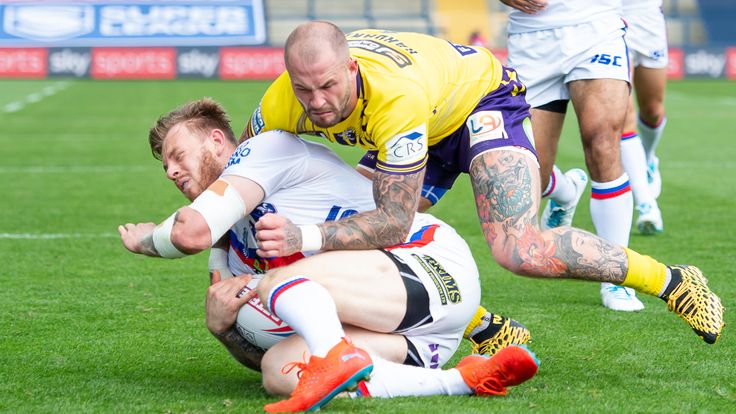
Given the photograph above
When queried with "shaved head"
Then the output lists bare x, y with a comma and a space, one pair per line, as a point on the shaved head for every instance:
312, 41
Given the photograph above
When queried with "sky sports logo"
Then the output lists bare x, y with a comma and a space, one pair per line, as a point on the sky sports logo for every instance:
133, 23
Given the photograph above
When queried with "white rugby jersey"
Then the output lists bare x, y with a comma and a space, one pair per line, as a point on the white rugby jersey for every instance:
561, 13
630, 6
303, 181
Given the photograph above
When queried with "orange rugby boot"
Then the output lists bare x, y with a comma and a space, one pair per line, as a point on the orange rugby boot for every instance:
321, 379
490, 376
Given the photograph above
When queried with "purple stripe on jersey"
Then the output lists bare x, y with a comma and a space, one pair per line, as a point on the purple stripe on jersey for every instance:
401, 168
605, 193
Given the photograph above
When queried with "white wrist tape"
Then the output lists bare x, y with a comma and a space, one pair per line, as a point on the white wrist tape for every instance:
162, 240
221, 206
218, 261
311, 237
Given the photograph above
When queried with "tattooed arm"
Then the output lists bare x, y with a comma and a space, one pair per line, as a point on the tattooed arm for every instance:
397, 197
243, 351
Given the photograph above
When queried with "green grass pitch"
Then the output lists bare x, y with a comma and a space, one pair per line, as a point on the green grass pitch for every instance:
86, 327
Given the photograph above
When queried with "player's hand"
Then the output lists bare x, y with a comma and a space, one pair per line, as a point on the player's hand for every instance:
277, 236
133, 236
223, 301
527, 6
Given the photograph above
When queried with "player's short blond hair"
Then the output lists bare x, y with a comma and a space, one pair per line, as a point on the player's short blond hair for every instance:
202, 115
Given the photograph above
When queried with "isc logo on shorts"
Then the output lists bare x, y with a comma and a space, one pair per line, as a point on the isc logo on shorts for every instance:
485, 125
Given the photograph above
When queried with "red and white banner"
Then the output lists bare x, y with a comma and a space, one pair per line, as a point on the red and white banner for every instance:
133, 63
251, 62
28, 63
676, 65
731, 63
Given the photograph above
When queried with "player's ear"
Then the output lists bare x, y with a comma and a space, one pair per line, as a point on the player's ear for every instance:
219, 139
352, 66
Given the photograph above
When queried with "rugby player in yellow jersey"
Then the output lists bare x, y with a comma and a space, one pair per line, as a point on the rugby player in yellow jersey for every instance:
429, 110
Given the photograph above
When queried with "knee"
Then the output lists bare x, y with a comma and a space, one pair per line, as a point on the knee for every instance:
652, 112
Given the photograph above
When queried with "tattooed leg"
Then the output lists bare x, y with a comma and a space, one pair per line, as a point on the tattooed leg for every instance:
506, 186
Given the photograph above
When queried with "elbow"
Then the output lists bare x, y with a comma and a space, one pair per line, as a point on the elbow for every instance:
189, 236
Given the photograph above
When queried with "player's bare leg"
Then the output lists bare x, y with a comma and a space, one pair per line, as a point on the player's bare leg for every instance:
563, 191
600, 106
506, 185
650, 90
633, 157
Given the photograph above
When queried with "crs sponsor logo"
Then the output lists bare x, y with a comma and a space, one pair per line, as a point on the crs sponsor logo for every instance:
251, 63
704, 63
70, 61
25, 63
45, 23
408, 146
241, 152
197, 62
134, 63
486, 125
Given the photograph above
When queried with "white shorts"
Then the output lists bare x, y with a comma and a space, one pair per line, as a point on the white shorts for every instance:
647, 38
446, 270
547, 60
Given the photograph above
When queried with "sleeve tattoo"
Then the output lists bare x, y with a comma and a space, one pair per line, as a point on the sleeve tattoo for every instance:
242, 350
397, 197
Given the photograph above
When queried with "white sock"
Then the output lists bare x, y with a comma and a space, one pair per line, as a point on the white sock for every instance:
611, 207
635, 165
650, 136
560, 188
309, 309
390, 379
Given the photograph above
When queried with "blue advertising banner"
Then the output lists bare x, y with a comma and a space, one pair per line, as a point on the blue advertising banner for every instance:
132, 23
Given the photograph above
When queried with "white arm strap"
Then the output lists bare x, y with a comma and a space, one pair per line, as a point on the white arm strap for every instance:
221, 206
162, 240
218, 261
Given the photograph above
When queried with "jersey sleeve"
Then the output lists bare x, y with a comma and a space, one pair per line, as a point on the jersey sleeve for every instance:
274, 109
273, 159
400, 133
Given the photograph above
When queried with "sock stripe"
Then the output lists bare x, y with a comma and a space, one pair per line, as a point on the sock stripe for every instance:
551, 185
363, 391
606, 193
655, 126
628, 135
278, 290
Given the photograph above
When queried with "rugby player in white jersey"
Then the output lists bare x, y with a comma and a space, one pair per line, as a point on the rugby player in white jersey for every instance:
409, 303
646, 37
574, 50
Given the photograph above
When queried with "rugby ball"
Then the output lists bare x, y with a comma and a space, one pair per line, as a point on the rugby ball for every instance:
257, 325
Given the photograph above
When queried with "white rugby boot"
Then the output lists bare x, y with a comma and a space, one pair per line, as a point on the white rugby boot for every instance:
654, 179
620, 298
649, 221
557, 215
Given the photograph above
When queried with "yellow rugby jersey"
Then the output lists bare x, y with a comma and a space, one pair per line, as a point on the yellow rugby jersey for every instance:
413, 91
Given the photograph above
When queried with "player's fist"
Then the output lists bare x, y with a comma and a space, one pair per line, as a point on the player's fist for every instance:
277, 236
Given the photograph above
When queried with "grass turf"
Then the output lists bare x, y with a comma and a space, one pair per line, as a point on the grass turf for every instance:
87, 327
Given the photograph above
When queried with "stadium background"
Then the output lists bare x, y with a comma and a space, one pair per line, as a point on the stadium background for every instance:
232, 39
87, 327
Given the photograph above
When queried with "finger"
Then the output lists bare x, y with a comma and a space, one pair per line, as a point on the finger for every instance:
215, 277
121, 230
267, 253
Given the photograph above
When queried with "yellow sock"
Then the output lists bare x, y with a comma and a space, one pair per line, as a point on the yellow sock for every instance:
477, 318
645, 274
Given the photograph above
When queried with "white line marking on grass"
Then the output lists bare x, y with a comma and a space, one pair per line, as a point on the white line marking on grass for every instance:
48, 236
722, 100
16, 106
56, 169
